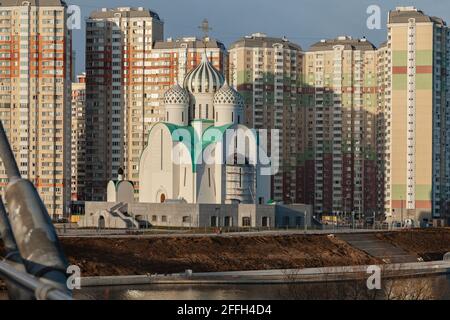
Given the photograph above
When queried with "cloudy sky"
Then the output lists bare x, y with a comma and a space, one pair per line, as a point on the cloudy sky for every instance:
302, 21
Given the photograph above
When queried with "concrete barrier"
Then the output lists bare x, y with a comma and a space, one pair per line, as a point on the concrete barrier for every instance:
325, 274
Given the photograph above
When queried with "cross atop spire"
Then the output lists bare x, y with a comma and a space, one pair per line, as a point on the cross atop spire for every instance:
205, 29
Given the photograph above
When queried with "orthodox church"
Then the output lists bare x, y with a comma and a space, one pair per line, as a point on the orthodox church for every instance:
196, 155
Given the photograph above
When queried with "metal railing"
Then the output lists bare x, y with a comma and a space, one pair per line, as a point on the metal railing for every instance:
30, 285
36, 266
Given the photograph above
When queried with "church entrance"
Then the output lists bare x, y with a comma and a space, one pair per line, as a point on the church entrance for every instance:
162, 197
101, 222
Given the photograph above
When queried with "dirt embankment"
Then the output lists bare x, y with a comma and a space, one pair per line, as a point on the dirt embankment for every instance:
103, 256
127, 256
430, 244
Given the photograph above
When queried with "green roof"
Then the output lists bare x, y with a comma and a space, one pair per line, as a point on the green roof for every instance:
194, 145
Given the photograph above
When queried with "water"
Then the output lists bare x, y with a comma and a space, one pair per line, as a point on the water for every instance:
431, 287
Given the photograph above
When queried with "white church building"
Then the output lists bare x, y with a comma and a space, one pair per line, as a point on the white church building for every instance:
201, 167
194, 156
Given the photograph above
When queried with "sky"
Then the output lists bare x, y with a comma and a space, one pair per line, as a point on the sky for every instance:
301, 21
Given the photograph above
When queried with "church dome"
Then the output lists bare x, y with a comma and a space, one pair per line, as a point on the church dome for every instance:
227, 95
204, 78
176, 95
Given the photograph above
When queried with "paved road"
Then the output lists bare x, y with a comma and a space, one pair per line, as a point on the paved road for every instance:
71, 233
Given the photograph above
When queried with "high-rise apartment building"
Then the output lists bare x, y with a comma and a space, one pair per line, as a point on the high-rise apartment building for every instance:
383, 105
129, 88
119, 45
78, 142
340, 104
417, 117
267, 72
170, 61
176, 57
35, 82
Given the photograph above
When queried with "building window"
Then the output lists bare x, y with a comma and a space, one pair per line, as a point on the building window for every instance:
161, 150
154, 218
214, 221
240, 177
186, 219
209, 177
228, 221
164, 219
246, 222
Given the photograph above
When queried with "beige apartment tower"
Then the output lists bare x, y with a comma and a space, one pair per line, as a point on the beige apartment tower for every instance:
35, 84
267, 72
340, 105
415, 111
78, 143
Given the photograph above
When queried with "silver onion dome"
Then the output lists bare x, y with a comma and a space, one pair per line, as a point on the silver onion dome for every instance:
176, 95
204, 78
228, 95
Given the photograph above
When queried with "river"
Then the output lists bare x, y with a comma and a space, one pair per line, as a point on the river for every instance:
431, 287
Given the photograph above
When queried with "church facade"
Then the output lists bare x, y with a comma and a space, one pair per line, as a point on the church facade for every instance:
203, 153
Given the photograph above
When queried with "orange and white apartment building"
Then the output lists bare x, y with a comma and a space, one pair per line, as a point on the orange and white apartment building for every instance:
35, 82
128, 69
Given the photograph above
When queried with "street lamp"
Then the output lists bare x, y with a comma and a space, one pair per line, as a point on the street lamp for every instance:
401, 212
353, 219
305, 222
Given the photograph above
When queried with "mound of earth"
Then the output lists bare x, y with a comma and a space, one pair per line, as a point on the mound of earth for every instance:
128, 256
